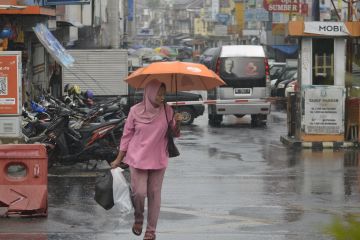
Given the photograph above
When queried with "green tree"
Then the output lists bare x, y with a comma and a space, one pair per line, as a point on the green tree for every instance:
347, 228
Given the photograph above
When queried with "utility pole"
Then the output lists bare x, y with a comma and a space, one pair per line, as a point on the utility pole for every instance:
114, 23
349, 41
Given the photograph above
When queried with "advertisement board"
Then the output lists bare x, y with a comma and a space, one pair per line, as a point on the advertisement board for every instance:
327, 28
256, 14
239, 15
65, 2
10, 83
282, 5
323, 110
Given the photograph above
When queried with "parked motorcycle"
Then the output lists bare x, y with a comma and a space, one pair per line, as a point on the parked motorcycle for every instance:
88, 141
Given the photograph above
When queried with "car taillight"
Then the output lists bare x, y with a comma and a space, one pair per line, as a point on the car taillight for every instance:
217, 68
292, 84
296, 86
267, 69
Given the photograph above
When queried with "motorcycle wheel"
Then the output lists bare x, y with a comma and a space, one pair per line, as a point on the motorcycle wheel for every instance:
53, 154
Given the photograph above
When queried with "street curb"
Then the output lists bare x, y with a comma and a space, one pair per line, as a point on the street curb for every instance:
291, 142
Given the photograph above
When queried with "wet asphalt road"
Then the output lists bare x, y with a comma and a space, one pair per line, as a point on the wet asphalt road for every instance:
232, 182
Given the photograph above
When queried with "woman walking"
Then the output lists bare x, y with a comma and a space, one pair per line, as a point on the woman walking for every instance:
144, 148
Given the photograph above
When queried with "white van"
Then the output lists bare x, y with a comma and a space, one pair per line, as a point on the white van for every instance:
245, 70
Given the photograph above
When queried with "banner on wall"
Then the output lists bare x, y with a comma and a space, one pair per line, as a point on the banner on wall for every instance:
240, 15
10, 83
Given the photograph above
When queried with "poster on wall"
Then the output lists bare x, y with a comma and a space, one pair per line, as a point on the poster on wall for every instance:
10, 83
323, 110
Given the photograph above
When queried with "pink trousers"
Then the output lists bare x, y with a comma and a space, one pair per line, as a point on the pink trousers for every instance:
147, 183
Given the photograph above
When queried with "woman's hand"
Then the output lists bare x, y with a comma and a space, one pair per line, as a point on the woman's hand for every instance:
116, 163
178, 117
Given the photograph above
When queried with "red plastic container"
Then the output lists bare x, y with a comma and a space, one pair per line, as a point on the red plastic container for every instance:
23, 179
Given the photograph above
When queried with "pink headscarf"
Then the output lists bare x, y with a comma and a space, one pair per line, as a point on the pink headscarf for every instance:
145, 111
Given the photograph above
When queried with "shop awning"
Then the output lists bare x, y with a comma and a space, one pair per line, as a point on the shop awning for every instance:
53, 46
287, 49
26, 10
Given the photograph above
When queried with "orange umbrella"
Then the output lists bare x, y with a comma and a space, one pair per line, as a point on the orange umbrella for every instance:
178, 76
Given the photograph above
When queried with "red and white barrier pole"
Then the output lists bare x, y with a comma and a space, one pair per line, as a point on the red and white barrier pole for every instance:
210, 102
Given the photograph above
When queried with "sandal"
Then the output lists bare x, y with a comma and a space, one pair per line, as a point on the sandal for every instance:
149, 236
137, 228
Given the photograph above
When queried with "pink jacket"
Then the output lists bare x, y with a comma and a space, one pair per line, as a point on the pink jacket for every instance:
145, 144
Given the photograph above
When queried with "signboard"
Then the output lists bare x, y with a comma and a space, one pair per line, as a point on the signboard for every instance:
223, 18
52, 45
323, 110
282, 5
10, 126
326, 28
278, 29
256, 14
280, 18
239, 14
220, 30
65, 2
131, 10
10, 83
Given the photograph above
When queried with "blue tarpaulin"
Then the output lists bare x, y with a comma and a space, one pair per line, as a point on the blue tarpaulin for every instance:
52, 45
287, 49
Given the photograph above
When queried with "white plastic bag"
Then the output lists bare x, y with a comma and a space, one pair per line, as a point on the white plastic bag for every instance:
121, 191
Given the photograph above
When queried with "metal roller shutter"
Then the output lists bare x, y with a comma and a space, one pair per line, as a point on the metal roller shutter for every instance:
101, 70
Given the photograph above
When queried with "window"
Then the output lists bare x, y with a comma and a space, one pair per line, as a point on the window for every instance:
323, 61
242, 67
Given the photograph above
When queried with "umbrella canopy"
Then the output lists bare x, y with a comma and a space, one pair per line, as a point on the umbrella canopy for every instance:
177, 76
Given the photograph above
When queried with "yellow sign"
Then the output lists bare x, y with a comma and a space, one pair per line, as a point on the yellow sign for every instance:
278, 29
240, 15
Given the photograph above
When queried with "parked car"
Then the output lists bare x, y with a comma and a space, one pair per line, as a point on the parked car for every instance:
189, 112
280, 89
208, 57
276, 68
291, 87
287, 73
245, 70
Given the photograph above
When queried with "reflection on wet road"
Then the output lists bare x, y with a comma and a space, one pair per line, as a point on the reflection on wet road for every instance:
231, 182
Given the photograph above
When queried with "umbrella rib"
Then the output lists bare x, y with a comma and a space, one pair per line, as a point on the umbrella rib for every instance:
148, 75
202, 82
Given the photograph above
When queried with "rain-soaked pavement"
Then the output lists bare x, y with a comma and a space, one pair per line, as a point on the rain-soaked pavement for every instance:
232, 182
